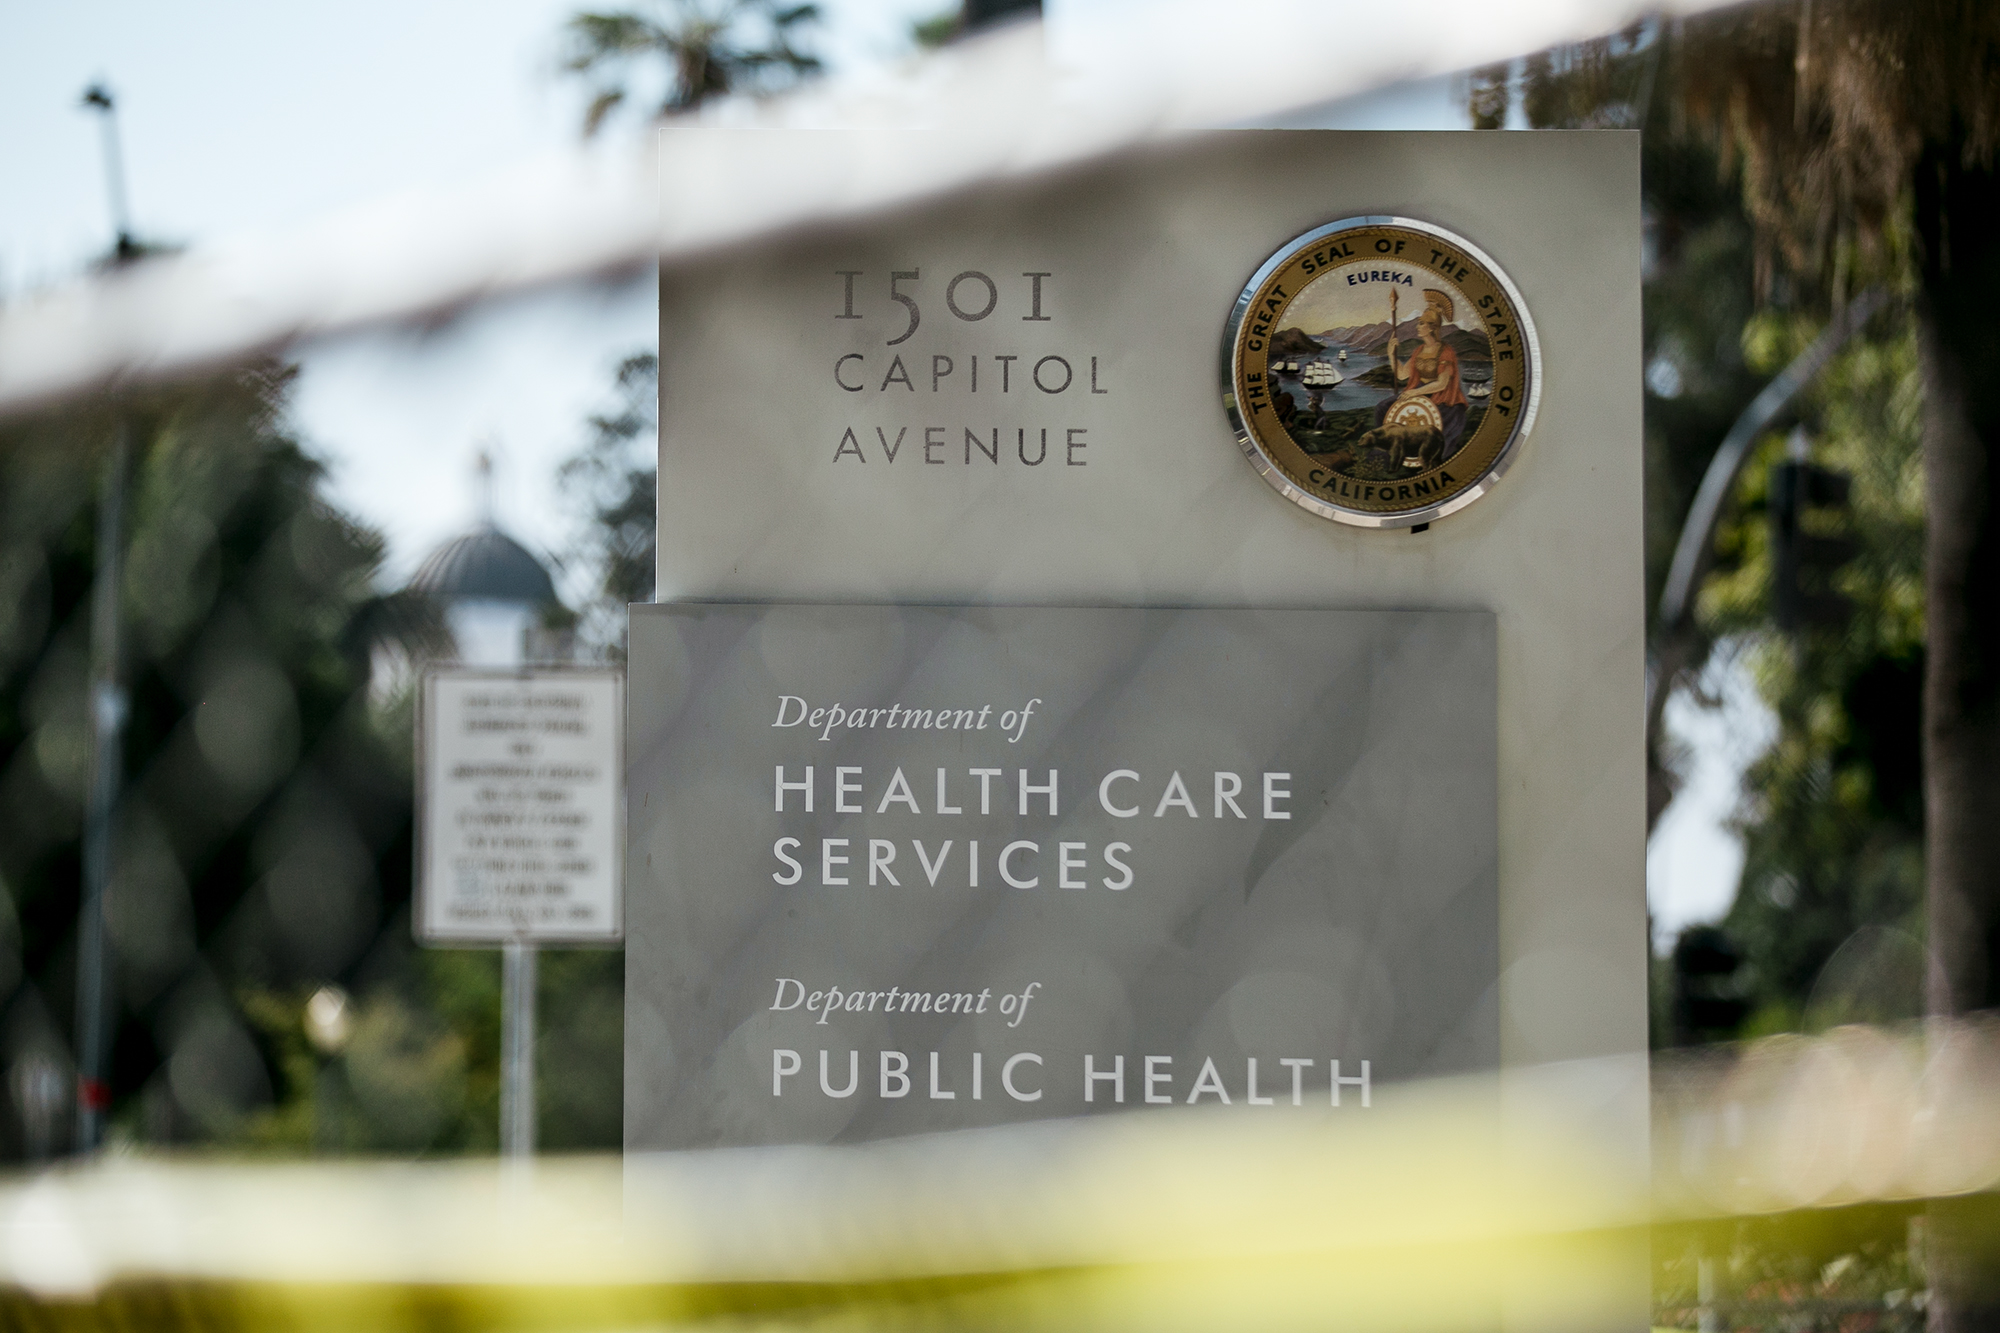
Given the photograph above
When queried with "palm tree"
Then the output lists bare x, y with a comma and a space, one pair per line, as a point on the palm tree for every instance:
711, 48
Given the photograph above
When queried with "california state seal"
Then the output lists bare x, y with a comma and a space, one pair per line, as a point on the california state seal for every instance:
1381, 371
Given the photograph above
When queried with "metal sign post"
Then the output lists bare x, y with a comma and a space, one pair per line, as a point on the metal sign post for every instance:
521, 833
517, 1049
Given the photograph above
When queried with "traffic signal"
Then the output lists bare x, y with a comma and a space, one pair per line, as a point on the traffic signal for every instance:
1710, 1002
1810, 540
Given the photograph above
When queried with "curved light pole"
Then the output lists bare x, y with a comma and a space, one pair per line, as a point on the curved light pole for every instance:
1695, 550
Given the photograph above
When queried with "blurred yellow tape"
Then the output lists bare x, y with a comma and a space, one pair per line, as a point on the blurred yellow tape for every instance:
1449, 1205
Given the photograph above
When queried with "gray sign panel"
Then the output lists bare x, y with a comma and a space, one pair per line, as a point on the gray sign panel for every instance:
900, 869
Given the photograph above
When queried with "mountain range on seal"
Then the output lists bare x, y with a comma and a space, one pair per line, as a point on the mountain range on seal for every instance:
1469, 345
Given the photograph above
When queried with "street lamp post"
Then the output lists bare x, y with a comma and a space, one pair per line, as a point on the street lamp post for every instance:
107, 709
107, 728
98, 98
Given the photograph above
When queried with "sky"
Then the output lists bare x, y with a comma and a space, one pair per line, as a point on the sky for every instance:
241, 117
1694, 859
244, 116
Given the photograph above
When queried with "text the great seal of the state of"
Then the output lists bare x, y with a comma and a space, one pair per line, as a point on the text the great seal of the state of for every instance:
1381, 371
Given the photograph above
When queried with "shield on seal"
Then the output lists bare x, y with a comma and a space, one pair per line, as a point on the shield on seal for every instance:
1419, 412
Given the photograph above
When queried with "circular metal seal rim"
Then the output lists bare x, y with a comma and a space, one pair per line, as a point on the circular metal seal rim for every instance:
1275, 477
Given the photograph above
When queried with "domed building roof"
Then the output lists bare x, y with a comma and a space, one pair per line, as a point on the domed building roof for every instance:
485, 564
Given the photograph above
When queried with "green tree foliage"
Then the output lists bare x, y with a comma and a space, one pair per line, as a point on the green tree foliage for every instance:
969, 17
1863, 138
580, 1069
615, 477
710, 48
1833, 816
937, 30
1866, 133
263, 839
1840, 1268
1830, 907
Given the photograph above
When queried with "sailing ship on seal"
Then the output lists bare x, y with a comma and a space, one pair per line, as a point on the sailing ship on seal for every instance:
1318, 378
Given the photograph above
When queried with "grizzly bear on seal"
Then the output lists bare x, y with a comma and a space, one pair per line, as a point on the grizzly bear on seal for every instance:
1421, 442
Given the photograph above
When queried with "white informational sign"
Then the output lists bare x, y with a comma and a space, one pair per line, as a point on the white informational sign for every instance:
520, 807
